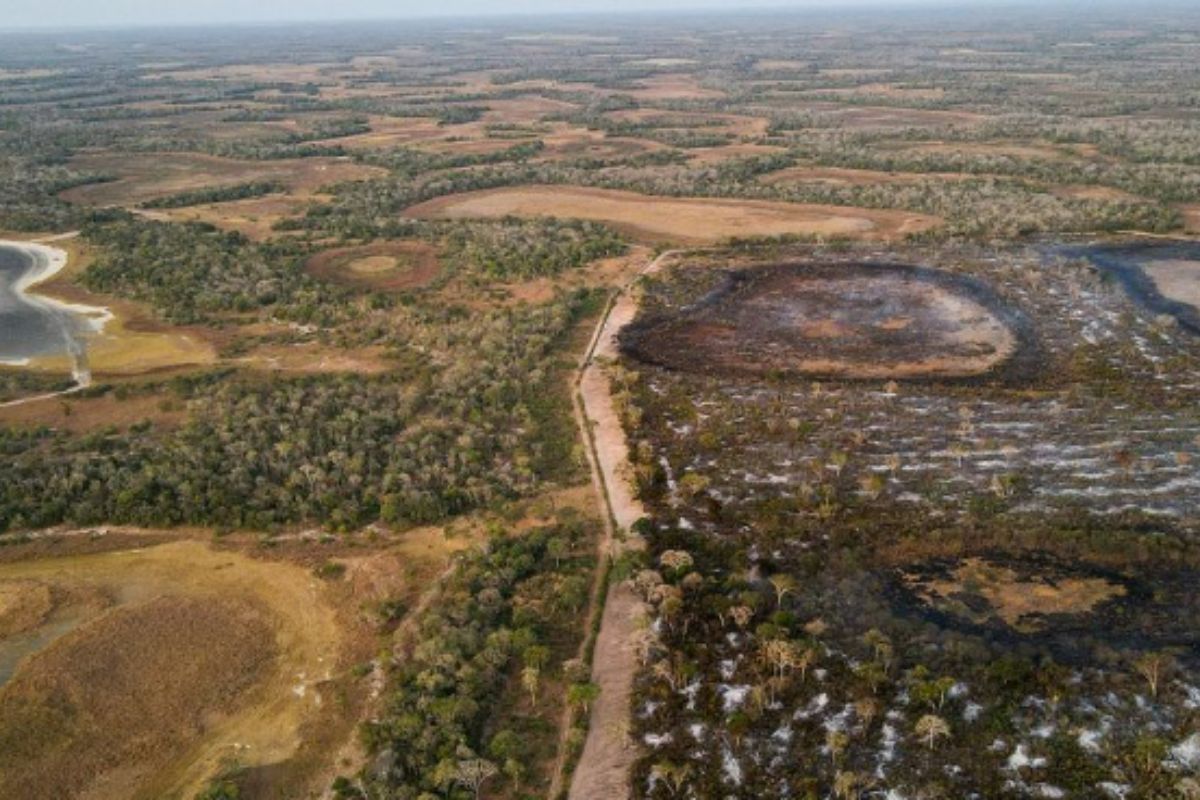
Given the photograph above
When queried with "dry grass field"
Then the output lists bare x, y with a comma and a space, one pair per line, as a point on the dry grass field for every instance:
684, 220
86, 414
201, 656
254, 218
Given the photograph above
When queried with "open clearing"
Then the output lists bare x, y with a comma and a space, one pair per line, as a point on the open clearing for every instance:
206, 656
142, 179
83, 414
254, 217
857, 321
688, 220
388, 266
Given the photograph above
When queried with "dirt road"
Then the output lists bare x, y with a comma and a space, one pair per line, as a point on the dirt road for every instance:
603, 771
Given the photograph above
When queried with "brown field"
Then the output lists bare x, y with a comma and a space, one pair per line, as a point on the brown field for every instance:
390, 266
312, 358
673, 86
254, 217
737, 124
567, 142
205, 656
24, 605
387, 132
267, 73
1176, 279
142, 179
780, 64
860, 116
845, 320
524, 110
887, 90
1019, 602
690, 220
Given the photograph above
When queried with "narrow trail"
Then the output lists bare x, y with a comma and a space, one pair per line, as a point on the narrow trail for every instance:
37, 398
603, 770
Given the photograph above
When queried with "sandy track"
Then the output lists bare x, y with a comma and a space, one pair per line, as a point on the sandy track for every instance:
603, 770
689, 220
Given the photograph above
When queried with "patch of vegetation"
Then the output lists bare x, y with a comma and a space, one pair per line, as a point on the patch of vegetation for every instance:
218, 194
498, 637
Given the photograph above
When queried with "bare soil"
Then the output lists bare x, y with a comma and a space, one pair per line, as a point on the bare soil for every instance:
687, 220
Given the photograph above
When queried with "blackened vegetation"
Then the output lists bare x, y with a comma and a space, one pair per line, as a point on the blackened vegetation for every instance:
1156, 607
729, 331
787, 655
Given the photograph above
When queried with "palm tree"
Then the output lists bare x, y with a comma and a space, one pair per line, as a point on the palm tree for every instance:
1151, 666
783, 583
845, 785
530, 679
931, 728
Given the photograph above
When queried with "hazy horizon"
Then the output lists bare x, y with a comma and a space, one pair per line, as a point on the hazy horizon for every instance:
63, 14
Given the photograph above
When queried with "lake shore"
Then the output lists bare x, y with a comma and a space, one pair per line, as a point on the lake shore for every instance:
45, 262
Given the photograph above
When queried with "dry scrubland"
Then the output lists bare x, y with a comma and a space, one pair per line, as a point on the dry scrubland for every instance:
912, 457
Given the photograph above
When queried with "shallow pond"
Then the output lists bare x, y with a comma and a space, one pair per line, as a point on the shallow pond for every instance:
1163, 276
32, 326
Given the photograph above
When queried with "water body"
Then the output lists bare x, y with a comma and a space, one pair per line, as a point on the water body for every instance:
1134, 265
32, 326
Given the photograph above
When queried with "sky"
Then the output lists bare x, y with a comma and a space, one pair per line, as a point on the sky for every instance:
121, 13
